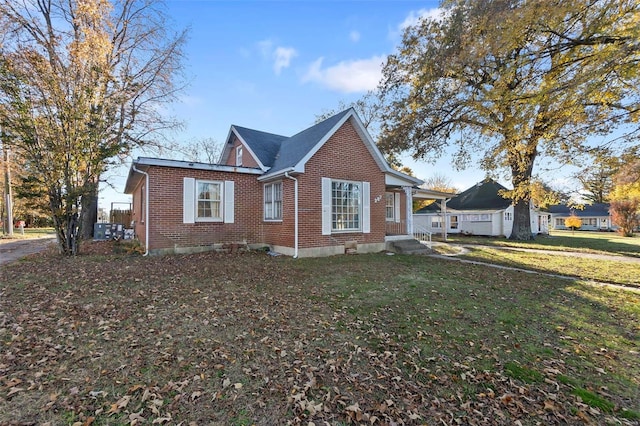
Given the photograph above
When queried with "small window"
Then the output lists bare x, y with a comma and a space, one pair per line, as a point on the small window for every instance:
390, 206
239, 155
209, 201
436, 223
454, 222
559, 222
508, 216
273, 201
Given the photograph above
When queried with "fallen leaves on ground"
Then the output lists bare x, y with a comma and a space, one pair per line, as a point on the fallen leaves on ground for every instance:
246, 339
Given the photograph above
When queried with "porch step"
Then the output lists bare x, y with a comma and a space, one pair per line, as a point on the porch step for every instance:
410, 246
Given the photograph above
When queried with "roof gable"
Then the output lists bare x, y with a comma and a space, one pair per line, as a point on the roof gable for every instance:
304, 144
263, 146
484, 195
276, 154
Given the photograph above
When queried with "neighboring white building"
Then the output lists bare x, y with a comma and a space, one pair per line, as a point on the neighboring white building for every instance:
480, 210
595, 217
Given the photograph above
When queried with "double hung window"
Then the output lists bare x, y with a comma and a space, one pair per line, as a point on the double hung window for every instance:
273, 201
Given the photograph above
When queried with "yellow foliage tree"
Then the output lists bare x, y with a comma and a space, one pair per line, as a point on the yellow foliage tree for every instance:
573, 222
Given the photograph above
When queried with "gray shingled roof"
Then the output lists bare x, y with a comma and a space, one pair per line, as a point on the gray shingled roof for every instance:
281, 152
482, 196
589, 210
299, 145
264, 145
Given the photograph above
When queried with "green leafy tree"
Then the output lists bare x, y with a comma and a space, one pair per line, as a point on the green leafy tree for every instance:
510, 81
81, 84
597, 177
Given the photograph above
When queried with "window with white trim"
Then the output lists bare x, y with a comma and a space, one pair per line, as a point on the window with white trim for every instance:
436, 222
508, 216
390, 206
273, 201
346, 203
208, 201
239, 155
484, 217
559, 221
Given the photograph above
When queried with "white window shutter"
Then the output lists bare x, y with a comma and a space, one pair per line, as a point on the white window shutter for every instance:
326, 206
189, 200
229, 201
396, 206
366, 207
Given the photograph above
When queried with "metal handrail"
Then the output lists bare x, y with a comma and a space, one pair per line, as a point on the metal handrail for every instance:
422, 234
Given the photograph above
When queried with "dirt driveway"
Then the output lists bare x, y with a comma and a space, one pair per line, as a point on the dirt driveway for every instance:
11, 251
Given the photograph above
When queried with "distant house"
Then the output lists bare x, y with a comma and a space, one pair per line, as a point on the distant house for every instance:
319, 192
479, 210
595, 217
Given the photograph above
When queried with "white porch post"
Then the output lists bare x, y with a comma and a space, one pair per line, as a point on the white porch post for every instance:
409, 195
445, 223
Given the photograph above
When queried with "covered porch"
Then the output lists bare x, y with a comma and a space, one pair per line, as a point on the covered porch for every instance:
398, 200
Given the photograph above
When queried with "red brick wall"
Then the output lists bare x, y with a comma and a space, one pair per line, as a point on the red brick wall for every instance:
282, 233
167, 229
343, 156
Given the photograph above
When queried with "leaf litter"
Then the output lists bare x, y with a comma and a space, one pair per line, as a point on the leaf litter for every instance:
252, 339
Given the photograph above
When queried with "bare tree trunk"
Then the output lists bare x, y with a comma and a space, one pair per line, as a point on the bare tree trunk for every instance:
89, 213
521, 162
521, 221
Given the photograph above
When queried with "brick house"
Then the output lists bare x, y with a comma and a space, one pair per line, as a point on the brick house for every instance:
315, 193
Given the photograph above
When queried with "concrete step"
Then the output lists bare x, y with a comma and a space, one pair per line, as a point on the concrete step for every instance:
410, 246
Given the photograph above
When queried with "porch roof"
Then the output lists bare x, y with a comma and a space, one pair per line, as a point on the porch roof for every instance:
430, 194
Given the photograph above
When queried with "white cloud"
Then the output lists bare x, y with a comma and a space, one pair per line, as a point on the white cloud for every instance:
280, 55
414, 17
354, 36
347, 76
283, 56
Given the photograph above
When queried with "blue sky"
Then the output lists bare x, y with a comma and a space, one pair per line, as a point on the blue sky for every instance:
275, 65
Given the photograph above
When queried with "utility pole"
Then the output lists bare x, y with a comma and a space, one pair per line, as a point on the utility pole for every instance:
7, 185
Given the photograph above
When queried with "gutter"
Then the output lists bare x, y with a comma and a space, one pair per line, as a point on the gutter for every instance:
295, 202
146, 210
283, 172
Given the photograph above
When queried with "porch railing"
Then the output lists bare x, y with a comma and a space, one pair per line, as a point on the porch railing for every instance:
396, 228
422, 234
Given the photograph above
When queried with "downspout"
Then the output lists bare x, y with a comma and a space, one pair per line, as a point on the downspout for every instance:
295, 202
146, 210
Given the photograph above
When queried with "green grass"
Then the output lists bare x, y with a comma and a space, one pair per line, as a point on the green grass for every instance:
602, 270
579, 241
253, 339
29, 233
593, 400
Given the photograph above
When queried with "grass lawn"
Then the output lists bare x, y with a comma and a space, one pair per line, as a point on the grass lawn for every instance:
28, 233
579, 241
253, 339
603, 270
